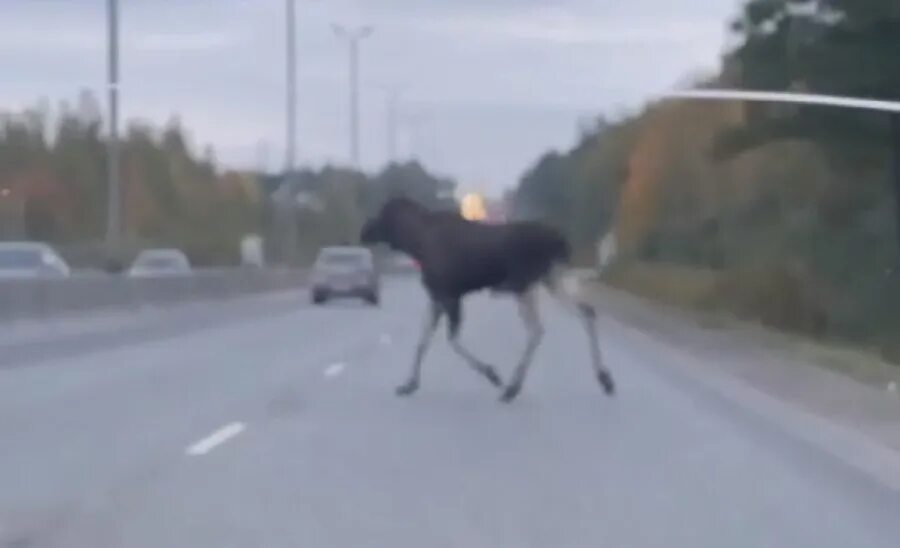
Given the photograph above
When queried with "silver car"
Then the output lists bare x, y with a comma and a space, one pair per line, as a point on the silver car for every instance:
345, 272
28, 260
153, 263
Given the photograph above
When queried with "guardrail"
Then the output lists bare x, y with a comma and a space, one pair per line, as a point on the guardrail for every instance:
39, 298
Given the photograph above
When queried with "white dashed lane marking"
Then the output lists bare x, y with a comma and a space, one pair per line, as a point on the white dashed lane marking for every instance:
334, 370
215, 439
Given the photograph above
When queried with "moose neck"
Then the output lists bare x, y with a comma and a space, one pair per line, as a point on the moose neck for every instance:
409, 231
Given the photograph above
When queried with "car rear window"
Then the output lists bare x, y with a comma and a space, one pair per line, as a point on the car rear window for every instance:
344, 259
159, 262
11, 259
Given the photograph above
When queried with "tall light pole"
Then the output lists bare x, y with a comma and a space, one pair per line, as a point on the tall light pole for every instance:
114, 199
291, 88
354, 37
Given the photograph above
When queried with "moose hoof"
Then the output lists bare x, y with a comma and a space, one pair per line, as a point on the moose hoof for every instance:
510, 393
407, 389
606, 381
492, 376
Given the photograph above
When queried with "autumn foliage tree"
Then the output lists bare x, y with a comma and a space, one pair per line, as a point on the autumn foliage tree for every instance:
767, 203
53, 167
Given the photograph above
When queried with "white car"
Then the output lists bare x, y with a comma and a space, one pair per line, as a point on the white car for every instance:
345, 272
29, 260
155, 263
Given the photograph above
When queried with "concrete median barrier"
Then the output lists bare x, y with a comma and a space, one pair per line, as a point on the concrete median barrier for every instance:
24, 299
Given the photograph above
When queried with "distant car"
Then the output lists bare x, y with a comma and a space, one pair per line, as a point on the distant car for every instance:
28, 260
154, 263
345, 272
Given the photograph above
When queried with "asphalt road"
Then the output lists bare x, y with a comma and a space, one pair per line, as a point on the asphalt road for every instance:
278, 426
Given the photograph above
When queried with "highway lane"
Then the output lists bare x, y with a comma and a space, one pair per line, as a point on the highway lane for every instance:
24, 343
282, 430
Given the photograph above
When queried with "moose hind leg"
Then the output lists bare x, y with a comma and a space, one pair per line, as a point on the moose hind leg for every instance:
589, 320
431, 323
568, 296
454, 320
528, 310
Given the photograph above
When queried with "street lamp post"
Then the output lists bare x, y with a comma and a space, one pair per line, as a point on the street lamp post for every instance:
114, 200
354, 37
291, 85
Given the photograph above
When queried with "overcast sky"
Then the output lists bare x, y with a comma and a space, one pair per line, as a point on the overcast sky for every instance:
488, 85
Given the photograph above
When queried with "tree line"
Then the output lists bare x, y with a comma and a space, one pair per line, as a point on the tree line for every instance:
789, 212
53, 188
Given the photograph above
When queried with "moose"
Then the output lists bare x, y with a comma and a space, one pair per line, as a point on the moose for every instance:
458, 257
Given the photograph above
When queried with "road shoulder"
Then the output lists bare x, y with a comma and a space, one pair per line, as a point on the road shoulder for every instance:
858, 422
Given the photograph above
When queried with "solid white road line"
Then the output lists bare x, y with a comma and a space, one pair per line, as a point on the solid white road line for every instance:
215, 439
334, 370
